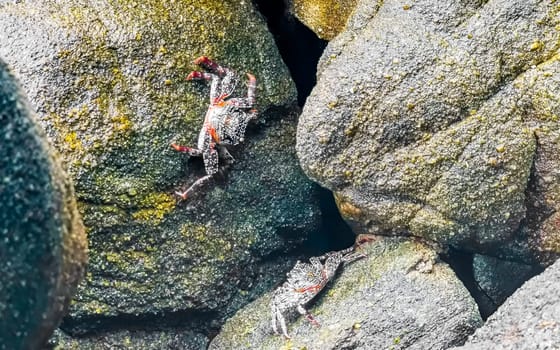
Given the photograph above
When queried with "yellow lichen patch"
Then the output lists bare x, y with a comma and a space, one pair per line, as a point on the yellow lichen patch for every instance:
125, 259
73, 142
325, 18
154, 207
121, 123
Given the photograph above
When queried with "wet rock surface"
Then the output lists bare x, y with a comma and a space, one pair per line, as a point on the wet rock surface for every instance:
43, 246
107, 80
440, 120
399, 296
529, 319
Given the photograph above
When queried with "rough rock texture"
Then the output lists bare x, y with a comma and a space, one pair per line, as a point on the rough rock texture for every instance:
441, 121
529, 319
326, 18
132, 340
399, 296
43, 248
498, 279
108, 80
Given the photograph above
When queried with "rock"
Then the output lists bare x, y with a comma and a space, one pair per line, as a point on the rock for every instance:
529, 319
498, 279
113, 74
134, 339
325, 18
441, 121
399, 296
43, 246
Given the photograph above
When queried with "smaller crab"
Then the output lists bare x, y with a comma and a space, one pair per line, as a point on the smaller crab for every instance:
225, 121
304, 282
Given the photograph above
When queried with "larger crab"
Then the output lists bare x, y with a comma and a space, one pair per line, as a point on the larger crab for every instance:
225, 121
304, 282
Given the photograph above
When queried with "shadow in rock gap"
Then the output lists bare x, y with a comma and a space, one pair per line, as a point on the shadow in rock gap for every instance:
299, 47
489, 280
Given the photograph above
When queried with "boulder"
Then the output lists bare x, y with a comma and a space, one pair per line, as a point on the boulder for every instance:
108, 81
399, 296
440, 121
529, 319
43, 246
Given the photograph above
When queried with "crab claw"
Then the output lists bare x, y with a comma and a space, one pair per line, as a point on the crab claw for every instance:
251, 77
202, 60
194, 75
179, 148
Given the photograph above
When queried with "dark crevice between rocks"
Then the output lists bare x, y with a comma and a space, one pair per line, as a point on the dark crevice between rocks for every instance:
301, 49
188, 320
462, 264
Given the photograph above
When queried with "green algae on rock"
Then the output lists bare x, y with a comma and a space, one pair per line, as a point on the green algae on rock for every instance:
107, 79
43, 245
444, 125
399, 291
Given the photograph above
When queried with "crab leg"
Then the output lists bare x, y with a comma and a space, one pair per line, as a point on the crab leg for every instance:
210, 65
191, 151
249, 101
307, 315
198, 183
214, 86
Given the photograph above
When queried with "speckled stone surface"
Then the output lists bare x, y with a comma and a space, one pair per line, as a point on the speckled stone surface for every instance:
43, 248
440, 120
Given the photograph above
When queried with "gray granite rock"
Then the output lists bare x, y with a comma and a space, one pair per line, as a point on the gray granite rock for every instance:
43, 248
440, 120
108, 81
529, 319
400, 296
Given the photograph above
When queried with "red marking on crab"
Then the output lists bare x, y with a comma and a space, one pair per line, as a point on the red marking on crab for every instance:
309, 289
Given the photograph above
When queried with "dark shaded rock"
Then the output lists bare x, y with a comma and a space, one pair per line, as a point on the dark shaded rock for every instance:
325, 18
113, 75
529, 319
134, 339
498, 279
43, 246
399, 296
441, 121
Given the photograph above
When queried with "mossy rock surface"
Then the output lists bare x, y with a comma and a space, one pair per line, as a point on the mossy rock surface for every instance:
326, 18
43, 246
399, 296
440, 120
108, 81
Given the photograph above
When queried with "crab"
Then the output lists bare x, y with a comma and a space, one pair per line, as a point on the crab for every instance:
225, 121
304, 282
